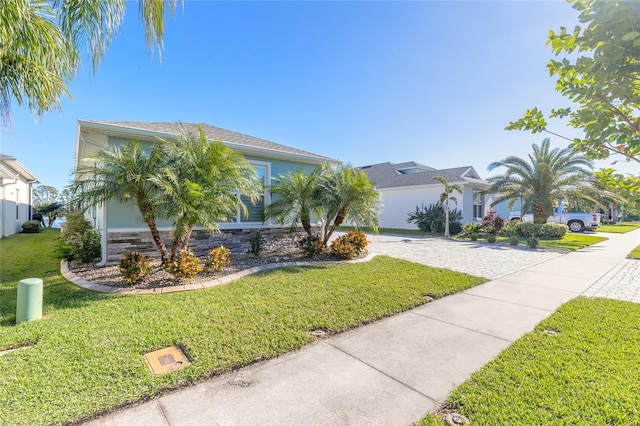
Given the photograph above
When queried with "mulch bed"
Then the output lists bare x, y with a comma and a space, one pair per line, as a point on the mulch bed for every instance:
110, 275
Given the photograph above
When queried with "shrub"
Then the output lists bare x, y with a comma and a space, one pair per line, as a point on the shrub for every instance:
349, 245
85, 247
76, 224
256, 242
471, 230
510, 228
491, 238
492, 223
513, 240
32, 227
541, 230
311, 245
185, 266
79, 241
432, 218
533, 242
134, 266
218, 258
358, 239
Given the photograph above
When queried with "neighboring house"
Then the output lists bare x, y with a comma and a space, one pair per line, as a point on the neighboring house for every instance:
15, 195
120, 224
502, 208
404, 186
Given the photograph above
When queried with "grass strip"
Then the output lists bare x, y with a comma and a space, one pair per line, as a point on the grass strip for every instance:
635, 253
619, 228
570, 241
579, 366
88, 353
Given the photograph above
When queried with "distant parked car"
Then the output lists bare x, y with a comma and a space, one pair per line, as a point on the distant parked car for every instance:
577, 222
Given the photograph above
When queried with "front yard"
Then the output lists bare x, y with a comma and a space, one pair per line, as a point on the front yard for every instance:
578, 367
87, 353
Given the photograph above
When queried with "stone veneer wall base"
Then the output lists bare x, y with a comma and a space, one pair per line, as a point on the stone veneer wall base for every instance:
238, 240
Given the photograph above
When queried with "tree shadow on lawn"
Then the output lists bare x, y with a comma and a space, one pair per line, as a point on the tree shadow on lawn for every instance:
293, 269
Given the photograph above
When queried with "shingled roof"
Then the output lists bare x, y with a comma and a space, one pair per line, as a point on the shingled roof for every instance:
390, 175
231, 138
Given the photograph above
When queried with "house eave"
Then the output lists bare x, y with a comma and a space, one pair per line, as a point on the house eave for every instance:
19, 169
429, 185
150, 135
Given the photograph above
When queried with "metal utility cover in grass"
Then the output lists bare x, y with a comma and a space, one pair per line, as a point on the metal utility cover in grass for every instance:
166, 360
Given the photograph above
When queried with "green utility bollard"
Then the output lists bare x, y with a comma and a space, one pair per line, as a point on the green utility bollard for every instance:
29, 303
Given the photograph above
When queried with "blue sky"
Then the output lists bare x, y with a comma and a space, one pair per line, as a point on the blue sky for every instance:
363, 82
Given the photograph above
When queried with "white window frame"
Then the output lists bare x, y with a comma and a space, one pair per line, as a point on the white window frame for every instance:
477, 195
240, 221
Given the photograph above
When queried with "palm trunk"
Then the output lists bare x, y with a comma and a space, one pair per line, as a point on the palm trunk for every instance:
539, 215
150, 220
186, 237
306, 224
175, 245
446, 220
336, 222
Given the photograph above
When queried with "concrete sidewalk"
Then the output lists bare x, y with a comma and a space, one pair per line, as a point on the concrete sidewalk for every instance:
397, 369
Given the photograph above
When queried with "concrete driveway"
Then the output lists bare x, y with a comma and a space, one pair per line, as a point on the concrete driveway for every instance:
480, 259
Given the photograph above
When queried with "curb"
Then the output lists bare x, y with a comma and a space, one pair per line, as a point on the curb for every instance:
88, 285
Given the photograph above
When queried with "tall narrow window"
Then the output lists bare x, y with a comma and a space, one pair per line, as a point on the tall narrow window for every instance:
255, 210
478, 205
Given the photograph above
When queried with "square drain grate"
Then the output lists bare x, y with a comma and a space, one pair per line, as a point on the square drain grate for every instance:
166, 360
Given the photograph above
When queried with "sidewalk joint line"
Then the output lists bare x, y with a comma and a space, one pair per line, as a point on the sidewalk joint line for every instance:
164, 414
537, 286
460, 326
512, 303
383, 373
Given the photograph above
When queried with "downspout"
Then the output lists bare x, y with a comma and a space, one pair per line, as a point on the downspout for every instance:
31, 182
103, 233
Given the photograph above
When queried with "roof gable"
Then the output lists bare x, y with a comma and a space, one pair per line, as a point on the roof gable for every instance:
389, 175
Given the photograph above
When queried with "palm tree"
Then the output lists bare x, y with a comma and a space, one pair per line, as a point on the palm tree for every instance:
347, 194
445, 197
547, 176
124, 173
201, 185
42, 42
298, 199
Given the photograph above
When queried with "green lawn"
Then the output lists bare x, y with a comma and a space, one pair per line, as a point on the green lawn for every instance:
586, 374
620, 228
88, 353
570, 241
635, 253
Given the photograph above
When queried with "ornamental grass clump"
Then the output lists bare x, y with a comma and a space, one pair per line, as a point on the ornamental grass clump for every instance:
256, 243
471, 230
185, 266
134, 266
218, 258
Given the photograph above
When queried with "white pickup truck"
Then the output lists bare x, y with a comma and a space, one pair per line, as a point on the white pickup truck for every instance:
577, 222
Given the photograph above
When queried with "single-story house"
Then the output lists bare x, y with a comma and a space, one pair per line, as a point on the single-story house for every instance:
405, 186
120, 224
15, 195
